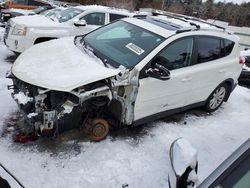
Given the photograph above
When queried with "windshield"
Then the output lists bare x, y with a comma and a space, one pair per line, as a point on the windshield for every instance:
53, 12
38, 10
68, 14
122, 43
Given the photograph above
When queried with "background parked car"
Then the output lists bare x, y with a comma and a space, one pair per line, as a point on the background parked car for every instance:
6, 14
23, 4
23, 32
245, 74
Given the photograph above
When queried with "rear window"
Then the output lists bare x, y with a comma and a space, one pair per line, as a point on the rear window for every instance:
212, 48
229, 45
113, 17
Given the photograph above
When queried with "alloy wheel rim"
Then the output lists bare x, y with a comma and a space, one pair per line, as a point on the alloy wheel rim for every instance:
217, 98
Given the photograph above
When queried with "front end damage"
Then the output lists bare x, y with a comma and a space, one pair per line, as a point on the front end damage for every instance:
106, 102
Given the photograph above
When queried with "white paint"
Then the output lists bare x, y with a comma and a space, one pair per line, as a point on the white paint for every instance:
30, 115
184, 155
58, 68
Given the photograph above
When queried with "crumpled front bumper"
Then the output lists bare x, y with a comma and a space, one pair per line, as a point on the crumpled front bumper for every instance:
63, 117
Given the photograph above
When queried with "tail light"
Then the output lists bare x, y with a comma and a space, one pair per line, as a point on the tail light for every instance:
242, 60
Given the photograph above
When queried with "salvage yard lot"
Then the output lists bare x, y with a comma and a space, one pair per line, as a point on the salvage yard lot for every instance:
135, 157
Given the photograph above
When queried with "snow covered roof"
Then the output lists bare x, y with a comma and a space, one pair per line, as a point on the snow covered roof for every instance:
100, 7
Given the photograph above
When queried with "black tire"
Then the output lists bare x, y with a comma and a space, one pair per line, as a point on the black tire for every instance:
216, 98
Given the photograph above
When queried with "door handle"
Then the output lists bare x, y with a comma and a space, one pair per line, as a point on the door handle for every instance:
187, 79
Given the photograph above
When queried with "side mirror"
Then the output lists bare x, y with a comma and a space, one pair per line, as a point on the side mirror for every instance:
158, 71
80, 23
184, 164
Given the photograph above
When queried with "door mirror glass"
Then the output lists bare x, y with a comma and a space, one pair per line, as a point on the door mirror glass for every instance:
158, 71
184, 164
80, 23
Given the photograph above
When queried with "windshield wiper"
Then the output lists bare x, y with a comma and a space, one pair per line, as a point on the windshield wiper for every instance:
105, 62
85, 46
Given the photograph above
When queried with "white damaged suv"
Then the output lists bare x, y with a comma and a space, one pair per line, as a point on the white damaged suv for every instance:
24, 31
129, 72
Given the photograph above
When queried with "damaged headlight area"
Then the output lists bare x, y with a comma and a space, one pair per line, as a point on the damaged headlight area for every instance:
93, 107
48, 112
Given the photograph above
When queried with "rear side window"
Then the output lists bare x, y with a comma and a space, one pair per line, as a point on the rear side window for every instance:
113, 17
96, 18
208, 49
229, 45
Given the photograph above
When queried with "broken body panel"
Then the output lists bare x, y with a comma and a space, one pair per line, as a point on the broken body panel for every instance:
54, 109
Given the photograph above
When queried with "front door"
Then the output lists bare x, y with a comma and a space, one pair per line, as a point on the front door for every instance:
155, 95
94, 20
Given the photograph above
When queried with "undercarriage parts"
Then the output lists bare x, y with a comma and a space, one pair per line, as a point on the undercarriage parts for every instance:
93, 106
97, 129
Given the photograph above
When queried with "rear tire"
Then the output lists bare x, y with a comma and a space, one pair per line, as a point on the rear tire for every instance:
217, 97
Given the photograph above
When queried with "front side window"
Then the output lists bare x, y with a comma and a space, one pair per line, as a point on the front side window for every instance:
68, 14
94, 18
176, 55
122, 43
208, 49
113, 17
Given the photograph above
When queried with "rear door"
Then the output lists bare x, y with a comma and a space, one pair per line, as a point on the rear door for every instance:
213, 65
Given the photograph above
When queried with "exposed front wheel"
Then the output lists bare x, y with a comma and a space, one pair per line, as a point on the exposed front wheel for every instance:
97, 129
215, 100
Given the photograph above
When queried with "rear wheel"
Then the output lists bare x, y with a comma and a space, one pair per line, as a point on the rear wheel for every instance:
216, 99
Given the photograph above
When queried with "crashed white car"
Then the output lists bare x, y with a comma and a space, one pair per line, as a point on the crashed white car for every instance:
129, 72
24, 31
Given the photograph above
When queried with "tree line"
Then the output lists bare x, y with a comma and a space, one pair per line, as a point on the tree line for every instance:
234, 14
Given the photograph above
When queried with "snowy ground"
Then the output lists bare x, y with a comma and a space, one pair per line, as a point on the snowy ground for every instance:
136, 157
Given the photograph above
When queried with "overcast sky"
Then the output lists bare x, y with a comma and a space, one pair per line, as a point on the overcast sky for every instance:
234, 1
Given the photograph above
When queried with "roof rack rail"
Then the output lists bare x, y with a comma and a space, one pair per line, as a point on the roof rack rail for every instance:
170, 15
186, 19
203, 21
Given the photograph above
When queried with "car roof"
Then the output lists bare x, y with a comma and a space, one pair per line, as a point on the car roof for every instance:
104, 9
245, 147
168, 24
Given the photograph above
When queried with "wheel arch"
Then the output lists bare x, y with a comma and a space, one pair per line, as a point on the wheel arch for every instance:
43, 39
231, 84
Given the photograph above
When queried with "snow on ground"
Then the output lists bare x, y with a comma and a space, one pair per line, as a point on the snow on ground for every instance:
132, 157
